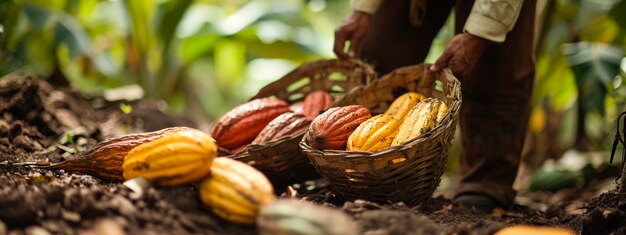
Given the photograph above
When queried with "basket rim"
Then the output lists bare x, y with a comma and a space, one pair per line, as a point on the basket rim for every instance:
369, 78
447, 122
369, 71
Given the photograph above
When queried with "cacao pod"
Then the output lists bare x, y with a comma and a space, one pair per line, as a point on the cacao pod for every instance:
241, 125
176, 158
284, 125
421, 118
331, 129
315, 102
403, 104
296, 107
235, 191
293, 217
553, 180
104, 160
535, 230
443, 110
374, 134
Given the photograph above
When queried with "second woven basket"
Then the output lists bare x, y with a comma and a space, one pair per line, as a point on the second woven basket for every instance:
409, 172
281, 160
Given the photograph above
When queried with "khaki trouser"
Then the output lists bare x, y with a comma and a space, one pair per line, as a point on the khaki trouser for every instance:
496, 97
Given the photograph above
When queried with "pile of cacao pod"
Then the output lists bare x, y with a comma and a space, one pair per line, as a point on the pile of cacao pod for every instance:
176, 156
233, 190
265, 119
353, 128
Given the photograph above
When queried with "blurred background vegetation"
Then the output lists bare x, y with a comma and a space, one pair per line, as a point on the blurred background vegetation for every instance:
204, 57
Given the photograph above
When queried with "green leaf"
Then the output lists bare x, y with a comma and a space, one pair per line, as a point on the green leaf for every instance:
171, 14
619, 14
244, 17
71, 33
282, 50
230, 60
591, 61
70, 138
39, 17
196, 46
140, 13
595, 66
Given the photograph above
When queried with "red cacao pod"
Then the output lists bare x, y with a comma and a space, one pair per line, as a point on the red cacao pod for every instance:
284, 125
296, 107
315, 102
331, 129
241, 125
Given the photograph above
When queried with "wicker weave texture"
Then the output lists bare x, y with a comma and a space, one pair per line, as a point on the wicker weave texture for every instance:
281, 159
409, 172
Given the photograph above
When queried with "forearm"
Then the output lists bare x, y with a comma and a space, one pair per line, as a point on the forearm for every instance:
368, 6
493, 19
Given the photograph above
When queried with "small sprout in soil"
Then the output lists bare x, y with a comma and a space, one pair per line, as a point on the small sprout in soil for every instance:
70, 139
126, 108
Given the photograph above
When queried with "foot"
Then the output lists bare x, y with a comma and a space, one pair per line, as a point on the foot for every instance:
479, 201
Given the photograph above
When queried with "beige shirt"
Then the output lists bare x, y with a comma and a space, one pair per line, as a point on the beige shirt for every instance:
489, 19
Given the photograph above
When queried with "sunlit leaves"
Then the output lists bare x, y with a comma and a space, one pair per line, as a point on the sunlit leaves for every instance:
101, 44
197, 46
140, 14
230, 59
556, 83
595, 66
39, 17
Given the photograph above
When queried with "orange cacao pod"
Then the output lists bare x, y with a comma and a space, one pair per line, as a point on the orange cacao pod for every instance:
331, 129
374, 134
241, 125
403, 104
104, 160
284, 125
315, 102
176, 158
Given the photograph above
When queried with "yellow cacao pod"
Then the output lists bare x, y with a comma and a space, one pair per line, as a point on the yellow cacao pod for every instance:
441, 113
374, 134
419, 120
176, 158
236, 191
403, 104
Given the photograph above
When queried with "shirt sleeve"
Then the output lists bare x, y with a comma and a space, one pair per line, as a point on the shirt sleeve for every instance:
367, 6
493, 19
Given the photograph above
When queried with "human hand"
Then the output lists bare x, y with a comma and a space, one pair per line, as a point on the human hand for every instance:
354, 28
461, 54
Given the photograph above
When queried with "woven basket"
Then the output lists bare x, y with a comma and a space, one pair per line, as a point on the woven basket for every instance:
281, 160
410, 172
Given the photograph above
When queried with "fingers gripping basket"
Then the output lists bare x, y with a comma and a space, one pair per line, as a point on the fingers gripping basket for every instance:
409, 172
281, 159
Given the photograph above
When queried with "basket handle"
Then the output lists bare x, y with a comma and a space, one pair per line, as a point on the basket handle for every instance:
278, 86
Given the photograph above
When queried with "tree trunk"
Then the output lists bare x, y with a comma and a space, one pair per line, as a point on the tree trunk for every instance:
582, 140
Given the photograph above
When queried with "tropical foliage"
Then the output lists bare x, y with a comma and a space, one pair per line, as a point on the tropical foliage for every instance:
196, 54
209, 55
579, 89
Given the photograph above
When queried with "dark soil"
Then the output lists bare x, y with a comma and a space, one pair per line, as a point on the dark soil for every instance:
41, 124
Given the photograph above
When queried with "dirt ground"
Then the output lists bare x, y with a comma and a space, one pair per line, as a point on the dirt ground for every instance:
40, 123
